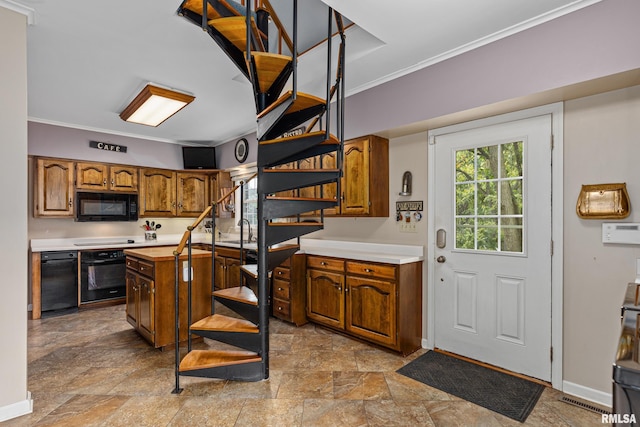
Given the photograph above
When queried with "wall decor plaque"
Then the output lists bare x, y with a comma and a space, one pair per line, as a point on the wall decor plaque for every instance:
603, 201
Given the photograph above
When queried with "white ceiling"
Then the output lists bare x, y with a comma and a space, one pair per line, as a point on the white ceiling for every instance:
88, 59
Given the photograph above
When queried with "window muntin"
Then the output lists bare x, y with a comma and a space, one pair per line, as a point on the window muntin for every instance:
489, 202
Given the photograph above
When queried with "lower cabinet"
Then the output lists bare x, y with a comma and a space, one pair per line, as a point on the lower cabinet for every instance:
150, 301
288, 295
380, 303
227, 266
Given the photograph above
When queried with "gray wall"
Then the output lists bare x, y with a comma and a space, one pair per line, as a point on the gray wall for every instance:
13, 211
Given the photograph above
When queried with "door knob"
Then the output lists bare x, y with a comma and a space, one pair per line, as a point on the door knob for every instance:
441, 259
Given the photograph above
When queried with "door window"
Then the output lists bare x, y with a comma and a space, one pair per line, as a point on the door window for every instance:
489, 183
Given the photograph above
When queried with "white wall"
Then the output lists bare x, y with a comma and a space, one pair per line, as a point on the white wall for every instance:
601, 145
14, 398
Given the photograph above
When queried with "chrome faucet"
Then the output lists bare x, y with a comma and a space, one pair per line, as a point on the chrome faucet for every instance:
244, 220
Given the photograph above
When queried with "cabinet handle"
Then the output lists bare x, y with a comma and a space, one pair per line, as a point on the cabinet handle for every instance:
70, 202
104, 182
280, 289
112, 182
279, 308
279, 273
368, 270
323, 263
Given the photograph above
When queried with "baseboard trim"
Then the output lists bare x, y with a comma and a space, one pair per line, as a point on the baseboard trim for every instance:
586, 393
17, 409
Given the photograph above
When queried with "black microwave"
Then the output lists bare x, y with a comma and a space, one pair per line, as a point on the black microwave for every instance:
106, 207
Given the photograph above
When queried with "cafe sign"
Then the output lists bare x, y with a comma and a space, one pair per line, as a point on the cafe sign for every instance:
107, 146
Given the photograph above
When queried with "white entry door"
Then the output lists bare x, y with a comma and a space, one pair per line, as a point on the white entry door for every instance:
493, 245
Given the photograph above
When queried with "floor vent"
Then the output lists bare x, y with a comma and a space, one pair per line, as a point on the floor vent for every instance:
584, 405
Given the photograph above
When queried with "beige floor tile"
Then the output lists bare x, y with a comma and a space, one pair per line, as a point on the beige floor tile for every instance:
331, 413
92, 369
271, 413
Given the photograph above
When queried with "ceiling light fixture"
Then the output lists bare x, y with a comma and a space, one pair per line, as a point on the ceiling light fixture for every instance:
153, 105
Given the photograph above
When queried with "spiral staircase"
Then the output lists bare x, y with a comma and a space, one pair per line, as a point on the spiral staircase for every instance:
291, 127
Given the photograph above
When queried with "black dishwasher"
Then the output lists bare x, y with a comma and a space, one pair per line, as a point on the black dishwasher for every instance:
58, 282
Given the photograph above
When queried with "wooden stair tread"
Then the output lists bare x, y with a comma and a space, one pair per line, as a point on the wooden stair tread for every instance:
241, 294
251, 270
195, 6
234, 29
300, 170
269, 66
299, 199
331, 140
302, 102
294, 224
219, 322
203, 359
283, 247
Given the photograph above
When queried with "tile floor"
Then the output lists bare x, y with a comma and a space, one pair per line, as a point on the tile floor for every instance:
92, 369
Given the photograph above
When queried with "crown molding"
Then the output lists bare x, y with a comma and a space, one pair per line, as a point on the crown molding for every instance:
20, 8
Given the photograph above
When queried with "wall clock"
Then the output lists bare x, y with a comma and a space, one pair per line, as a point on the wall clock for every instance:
242, 150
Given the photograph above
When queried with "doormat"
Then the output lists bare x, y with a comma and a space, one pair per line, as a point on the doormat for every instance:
505, 394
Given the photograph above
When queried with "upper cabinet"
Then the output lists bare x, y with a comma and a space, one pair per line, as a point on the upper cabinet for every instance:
157, 192
220, 184
103, 177
364, 188
192, 190
53, 192
365, 180
166, 193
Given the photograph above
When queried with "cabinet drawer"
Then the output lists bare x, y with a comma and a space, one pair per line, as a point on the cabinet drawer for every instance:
132, 263
281, 308
376, 270
281, 289
145, 267
282, 273
325, 263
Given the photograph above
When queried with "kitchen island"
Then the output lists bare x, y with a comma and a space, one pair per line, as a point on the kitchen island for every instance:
150, 281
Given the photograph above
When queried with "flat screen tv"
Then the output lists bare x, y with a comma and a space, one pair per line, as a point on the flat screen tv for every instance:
199, 157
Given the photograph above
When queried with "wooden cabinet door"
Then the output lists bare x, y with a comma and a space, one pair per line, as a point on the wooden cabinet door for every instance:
123, 178
219, 267
224, 185
157, 193
92, 176
54, 195
192, 193
132, 298
355, 181
325, 298
146, 314
329, 191
371, 309
232, 273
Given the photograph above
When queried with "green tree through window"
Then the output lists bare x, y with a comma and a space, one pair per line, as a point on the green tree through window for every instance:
489, 198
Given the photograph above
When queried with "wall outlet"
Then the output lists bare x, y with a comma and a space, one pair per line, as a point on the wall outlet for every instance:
408, 227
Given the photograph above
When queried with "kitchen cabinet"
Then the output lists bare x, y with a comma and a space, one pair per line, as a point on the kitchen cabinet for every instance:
192, 193
289, 292
157, 196
227, 268
364, 186
105, 177
53, 193
378, 302
150, 300
365, 180
220, 183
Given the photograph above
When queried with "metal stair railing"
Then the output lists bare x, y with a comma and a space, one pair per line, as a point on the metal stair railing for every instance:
186, 241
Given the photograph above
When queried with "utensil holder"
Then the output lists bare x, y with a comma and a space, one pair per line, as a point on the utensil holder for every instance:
150, 235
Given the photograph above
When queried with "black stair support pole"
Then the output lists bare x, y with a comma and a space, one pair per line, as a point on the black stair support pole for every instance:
328, 98
213, 256
295, 50
189, 259
263, 279
248, 24
177, 389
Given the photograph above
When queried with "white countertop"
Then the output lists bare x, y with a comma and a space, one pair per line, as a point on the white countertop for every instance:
363, 251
